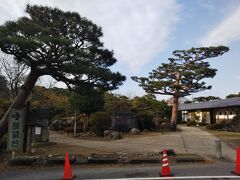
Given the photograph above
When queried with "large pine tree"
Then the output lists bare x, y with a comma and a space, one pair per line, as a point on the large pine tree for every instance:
182, 75
61, 44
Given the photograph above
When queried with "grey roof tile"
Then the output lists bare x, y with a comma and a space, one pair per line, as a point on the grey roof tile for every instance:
231, 102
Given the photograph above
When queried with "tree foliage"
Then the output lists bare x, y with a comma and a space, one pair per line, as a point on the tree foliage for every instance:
86, 101
116, 103
100, 121
182, 75
233, 95
150, 105
60, 44
207, 98
55, 99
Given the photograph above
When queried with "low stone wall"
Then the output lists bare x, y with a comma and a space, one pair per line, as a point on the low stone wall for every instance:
134, 158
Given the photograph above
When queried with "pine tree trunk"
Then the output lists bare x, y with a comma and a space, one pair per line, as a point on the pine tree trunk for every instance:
174, 113
19, 100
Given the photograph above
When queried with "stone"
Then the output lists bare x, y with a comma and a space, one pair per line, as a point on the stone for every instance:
23, 160
112, 134
60, 124
107, 132
115, 135
135, 131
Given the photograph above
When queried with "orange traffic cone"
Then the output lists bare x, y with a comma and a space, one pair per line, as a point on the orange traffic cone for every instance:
67, 169
237, 169
165, 165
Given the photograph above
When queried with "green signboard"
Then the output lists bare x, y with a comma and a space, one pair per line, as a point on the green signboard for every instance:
15, 129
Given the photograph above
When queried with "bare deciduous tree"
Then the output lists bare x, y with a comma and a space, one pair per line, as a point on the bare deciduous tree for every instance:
3, 86
13, 72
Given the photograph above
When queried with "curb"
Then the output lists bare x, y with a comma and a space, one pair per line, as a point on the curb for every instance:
99, 159
190, 158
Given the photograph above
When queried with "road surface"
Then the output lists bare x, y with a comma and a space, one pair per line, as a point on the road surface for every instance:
218, 169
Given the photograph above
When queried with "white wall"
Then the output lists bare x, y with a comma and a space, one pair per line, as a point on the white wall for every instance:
221, 114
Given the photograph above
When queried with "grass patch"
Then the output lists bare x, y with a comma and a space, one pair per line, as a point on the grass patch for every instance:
230, 138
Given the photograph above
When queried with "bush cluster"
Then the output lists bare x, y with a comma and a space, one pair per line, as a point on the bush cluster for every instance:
100, 121
215, 126
3, 143
145, 121
191, 123
232, 125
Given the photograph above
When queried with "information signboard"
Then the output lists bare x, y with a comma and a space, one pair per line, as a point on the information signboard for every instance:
15, 129
38, 130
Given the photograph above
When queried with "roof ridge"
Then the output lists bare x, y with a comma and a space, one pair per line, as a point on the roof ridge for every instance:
211, 104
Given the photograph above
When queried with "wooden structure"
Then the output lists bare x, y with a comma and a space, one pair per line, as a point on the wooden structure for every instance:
124, 121
38, 124
211, 112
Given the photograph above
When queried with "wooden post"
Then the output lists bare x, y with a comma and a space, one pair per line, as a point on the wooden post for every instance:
75, 124
13, 154
218, 149
29, 140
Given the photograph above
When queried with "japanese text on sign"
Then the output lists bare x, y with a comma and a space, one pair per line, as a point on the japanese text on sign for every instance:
15, 131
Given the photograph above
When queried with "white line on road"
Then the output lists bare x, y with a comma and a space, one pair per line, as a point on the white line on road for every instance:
183, 177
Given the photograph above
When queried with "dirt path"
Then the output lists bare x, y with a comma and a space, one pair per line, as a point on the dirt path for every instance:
188, 140
139, 144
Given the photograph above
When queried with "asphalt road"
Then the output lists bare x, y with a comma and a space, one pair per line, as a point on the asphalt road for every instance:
218, 169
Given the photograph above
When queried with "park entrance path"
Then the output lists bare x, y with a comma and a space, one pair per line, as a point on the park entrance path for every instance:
188, 140
201, 142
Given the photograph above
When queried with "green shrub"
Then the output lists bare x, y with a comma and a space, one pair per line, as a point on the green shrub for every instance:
183, 122
165, 126
58, 116
161, 123
3, 143
70, 129
195, 118
230, 125
145, 121
235, 121
100, 121
202, 124
234, 124
224, 123
215, 126
191, 123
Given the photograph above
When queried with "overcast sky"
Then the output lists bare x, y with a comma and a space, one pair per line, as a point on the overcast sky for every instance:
143, 33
